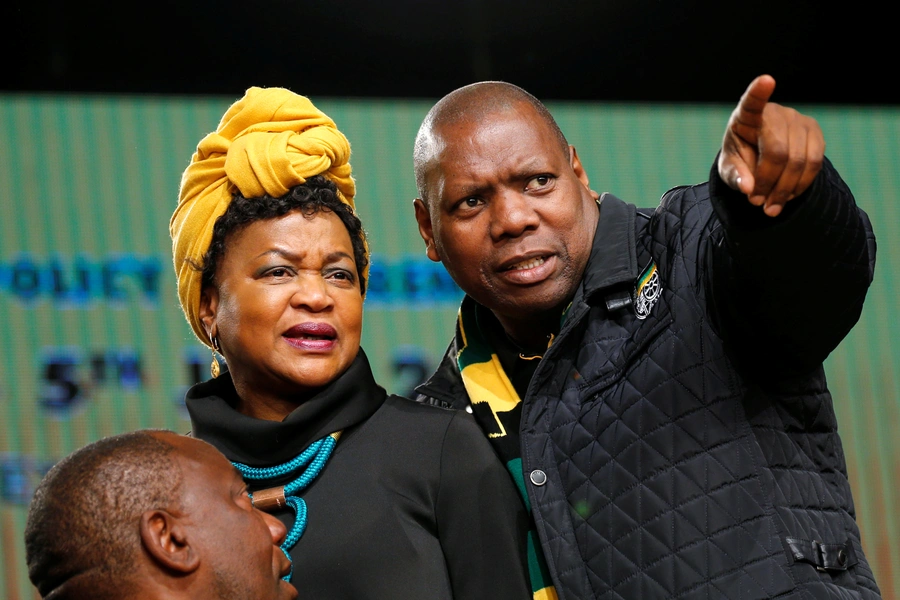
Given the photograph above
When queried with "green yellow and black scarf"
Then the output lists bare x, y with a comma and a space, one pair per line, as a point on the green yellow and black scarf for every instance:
497, 407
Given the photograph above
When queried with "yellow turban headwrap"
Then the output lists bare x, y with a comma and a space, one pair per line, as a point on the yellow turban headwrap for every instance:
266, 143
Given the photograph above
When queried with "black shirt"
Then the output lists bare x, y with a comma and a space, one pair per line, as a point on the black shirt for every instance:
413, 502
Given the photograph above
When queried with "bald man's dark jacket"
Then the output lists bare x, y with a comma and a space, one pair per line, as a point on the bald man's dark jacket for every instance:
686, 431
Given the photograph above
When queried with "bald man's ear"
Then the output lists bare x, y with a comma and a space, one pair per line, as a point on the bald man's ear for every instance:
165, 540
425, 229
580, 172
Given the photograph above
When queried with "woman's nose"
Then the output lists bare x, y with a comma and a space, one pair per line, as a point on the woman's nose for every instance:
312, 294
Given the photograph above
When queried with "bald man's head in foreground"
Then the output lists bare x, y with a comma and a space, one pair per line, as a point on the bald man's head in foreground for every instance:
151, 514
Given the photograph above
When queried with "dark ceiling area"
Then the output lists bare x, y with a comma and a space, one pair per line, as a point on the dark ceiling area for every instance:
612, 50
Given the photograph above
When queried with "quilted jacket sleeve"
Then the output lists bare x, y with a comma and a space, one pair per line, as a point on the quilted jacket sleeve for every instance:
784, 291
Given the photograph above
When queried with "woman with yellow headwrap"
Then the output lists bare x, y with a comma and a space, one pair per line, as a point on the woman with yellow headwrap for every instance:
382, 497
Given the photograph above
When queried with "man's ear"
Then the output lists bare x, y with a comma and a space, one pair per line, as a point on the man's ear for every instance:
580, 172
165, 539
425, 229
209, 304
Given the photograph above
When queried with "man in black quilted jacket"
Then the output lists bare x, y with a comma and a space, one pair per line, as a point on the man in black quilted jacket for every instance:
649, 376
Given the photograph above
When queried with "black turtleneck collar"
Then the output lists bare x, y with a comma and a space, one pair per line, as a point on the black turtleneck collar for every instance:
349, 400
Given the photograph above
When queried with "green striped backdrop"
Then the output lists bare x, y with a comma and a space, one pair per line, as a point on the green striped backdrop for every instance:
93, 179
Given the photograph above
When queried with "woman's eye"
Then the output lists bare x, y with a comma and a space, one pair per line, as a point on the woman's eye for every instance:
279, 272
341, 275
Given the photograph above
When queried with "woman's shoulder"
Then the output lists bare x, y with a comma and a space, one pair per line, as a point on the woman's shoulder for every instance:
451, 441
419, 418
421, 410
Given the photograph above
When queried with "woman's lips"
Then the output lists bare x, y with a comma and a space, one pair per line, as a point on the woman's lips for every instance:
311, 336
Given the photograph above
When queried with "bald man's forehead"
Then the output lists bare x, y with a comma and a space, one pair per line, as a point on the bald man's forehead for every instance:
448, 136
477, 111
449, 133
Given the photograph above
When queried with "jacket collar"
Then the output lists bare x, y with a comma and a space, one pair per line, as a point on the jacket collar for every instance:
445, 386
350, 399
613, 259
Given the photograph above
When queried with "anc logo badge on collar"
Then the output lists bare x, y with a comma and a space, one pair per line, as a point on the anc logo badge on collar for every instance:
646, 291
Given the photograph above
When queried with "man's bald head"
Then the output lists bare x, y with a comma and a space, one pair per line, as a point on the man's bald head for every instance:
82, 527
473, 103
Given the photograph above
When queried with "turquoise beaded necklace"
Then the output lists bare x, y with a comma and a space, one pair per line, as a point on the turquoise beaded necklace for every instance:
315, 456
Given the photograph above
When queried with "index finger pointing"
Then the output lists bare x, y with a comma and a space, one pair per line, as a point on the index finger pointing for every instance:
750, 108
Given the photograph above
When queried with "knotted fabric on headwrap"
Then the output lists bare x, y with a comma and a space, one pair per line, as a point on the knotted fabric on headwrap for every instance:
266, 143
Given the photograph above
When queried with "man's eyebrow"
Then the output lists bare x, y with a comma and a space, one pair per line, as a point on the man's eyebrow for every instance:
533, 168
464, 190
530, 168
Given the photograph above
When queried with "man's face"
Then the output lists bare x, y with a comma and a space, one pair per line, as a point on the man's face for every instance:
238, 544
508, 212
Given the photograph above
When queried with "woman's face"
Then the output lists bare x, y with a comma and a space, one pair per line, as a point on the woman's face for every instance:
286, 306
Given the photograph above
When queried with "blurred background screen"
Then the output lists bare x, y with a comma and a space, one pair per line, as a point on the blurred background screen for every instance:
93, 343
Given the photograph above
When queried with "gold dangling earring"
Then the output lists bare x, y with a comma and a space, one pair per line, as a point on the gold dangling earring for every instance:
214, 367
